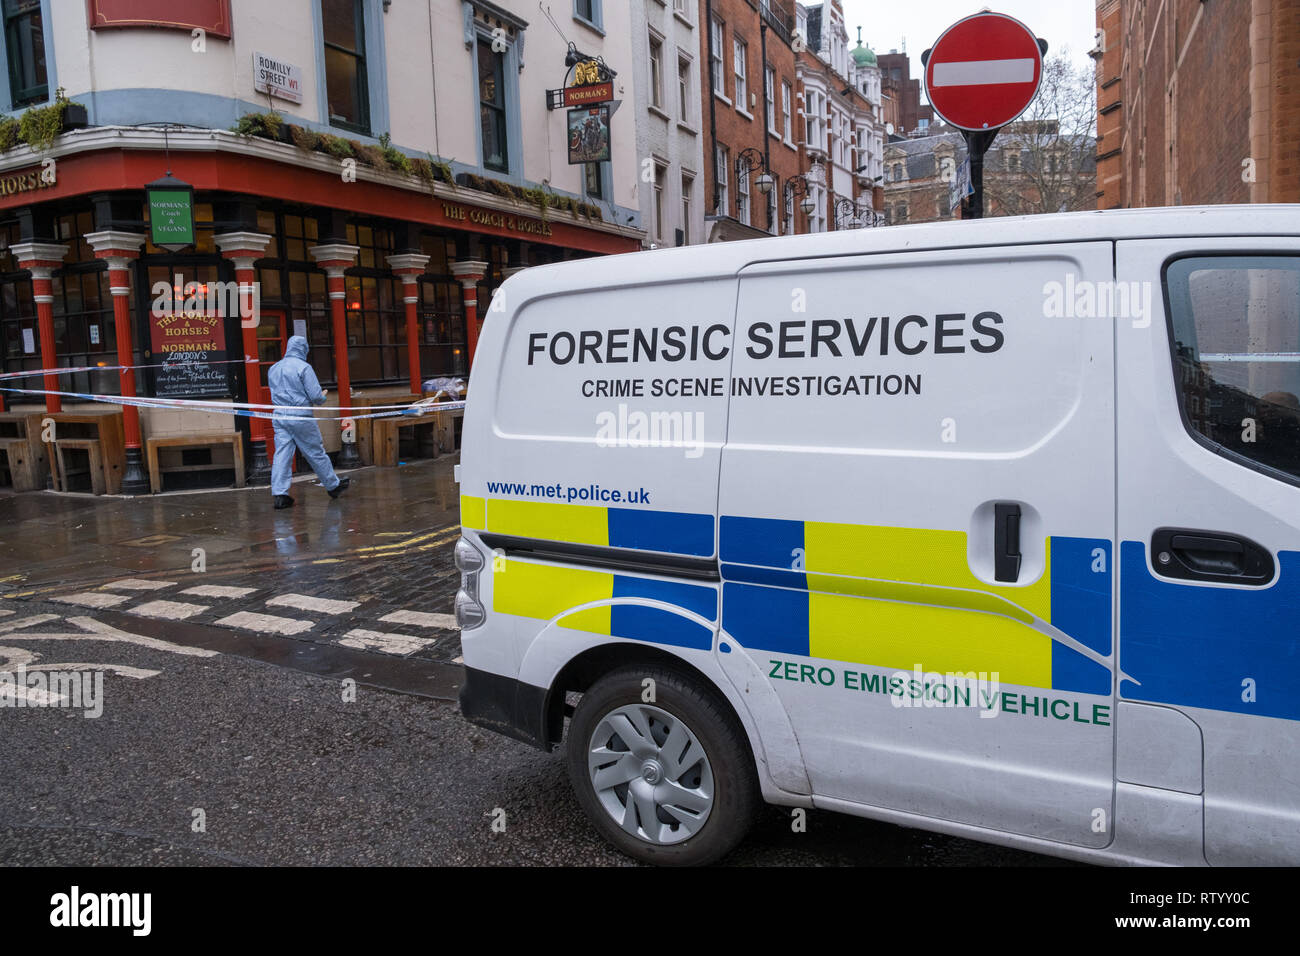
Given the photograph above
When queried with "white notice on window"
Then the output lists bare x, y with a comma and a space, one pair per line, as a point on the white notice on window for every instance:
29, 341
300, 327
94, 335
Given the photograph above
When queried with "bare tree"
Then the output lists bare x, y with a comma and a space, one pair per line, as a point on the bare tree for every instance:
1047, 158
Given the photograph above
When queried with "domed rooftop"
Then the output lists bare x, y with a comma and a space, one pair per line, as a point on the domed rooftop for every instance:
862, 55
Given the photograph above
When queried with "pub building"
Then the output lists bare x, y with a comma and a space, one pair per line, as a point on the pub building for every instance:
388, 276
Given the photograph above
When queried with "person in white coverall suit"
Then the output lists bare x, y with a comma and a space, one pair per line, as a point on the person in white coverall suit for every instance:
293, 383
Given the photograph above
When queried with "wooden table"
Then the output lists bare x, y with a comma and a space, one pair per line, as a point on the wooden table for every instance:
233, 439
364, 431
386, 440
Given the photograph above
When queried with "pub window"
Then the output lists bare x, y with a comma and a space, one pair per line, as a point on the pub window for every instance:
84, 333
20, 344
442, 313
492, 107
25, 47
376, 321
343, 22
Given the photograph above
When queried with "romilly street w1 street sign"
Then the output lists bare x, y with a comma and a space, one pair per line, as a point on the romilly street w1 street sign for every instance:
983, 71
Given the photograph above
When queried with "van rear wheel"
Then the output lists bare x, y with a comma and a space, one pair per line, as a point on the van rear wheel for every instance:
669, 782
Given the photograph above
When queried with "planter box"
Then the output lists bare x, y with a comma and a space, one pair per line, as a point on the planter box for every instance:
74, 117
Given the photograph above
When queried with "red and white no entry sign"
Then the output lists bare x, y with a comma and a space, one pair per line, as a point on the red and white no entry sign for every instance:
983, 71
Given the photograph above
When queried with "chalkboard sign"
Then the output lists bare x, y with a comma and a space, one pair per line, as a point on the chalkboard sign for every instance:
190, 350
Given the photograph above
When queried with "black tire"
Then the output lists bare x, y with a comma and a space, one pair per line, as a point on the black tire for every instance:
696, 704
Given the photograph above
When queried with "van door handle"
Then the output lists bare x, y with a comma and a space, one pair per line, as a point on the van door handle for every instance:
1210, 556
1205, 553
1006, 542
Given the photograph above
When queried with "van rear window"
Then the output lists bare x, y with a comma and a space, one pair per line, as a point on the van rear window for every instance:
1236, 351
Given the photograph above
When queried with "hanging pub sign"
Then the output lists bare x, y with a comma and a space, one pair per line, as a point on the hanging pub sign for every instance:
189, 348
593, 82
171, 213
589, 135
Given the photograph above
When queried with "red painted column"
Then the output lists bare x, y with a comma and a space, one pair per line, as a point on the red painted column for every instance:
243, 249
334, 258
470, 273
119, 249
41, 259
410, 266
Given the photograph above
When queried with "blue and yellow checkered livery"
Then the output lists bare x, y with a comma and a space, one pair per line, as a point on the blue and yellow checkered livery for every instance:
878, 596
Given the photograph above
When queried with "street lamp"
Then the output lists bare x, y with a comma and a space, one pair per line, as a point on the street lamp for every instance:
799, 186
751, 160
846, 211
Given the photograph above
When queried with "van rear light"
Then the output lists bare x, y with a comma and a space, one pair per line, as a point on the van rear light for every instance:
469, 613
467, 556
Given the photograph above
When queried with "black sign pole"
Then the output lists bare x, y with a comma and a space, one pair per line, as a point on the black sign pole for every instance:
977, 144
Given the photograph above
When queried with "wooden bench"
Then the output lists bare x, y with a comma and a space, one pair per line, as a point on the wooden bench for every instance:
63, 474
103, 430
22, 450
233, 439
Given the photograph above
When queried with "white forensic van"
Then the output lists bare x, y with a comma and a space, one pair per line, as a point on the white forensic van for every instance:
990, 528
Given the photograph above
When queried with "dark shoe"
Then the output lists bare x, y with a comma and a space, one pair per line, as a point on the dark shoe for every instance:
282, 502
341, 487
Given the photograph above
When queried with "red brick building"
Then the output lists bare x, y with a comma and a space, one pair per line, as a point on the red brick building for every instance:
906, 111
1198, 102
750, 114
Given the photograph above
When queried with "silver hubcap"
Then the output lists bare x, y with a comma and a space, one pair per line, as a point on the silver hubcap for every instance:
650, 774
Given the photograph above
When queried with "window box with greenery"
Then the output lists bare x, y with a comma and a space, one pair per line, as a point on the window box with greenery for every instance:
39, 126
383, 156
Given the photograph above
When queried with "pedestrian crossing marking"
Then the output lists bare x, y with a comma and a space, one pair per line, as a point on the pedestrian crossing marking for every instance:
169, 610
420, 619
92, 599
265, 623
138, 584
305, 602
218, 591
380, 641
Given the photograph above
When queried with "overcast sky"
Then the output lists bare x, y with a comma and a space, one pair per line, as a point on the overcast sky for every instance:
885, 23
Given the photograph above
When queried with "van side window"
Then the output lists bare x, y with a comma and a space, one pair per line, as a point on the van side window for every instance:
1236, 351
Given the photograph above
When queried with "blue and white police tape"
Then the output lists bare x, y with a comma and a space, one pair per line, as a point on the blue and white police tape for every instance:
249, 410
